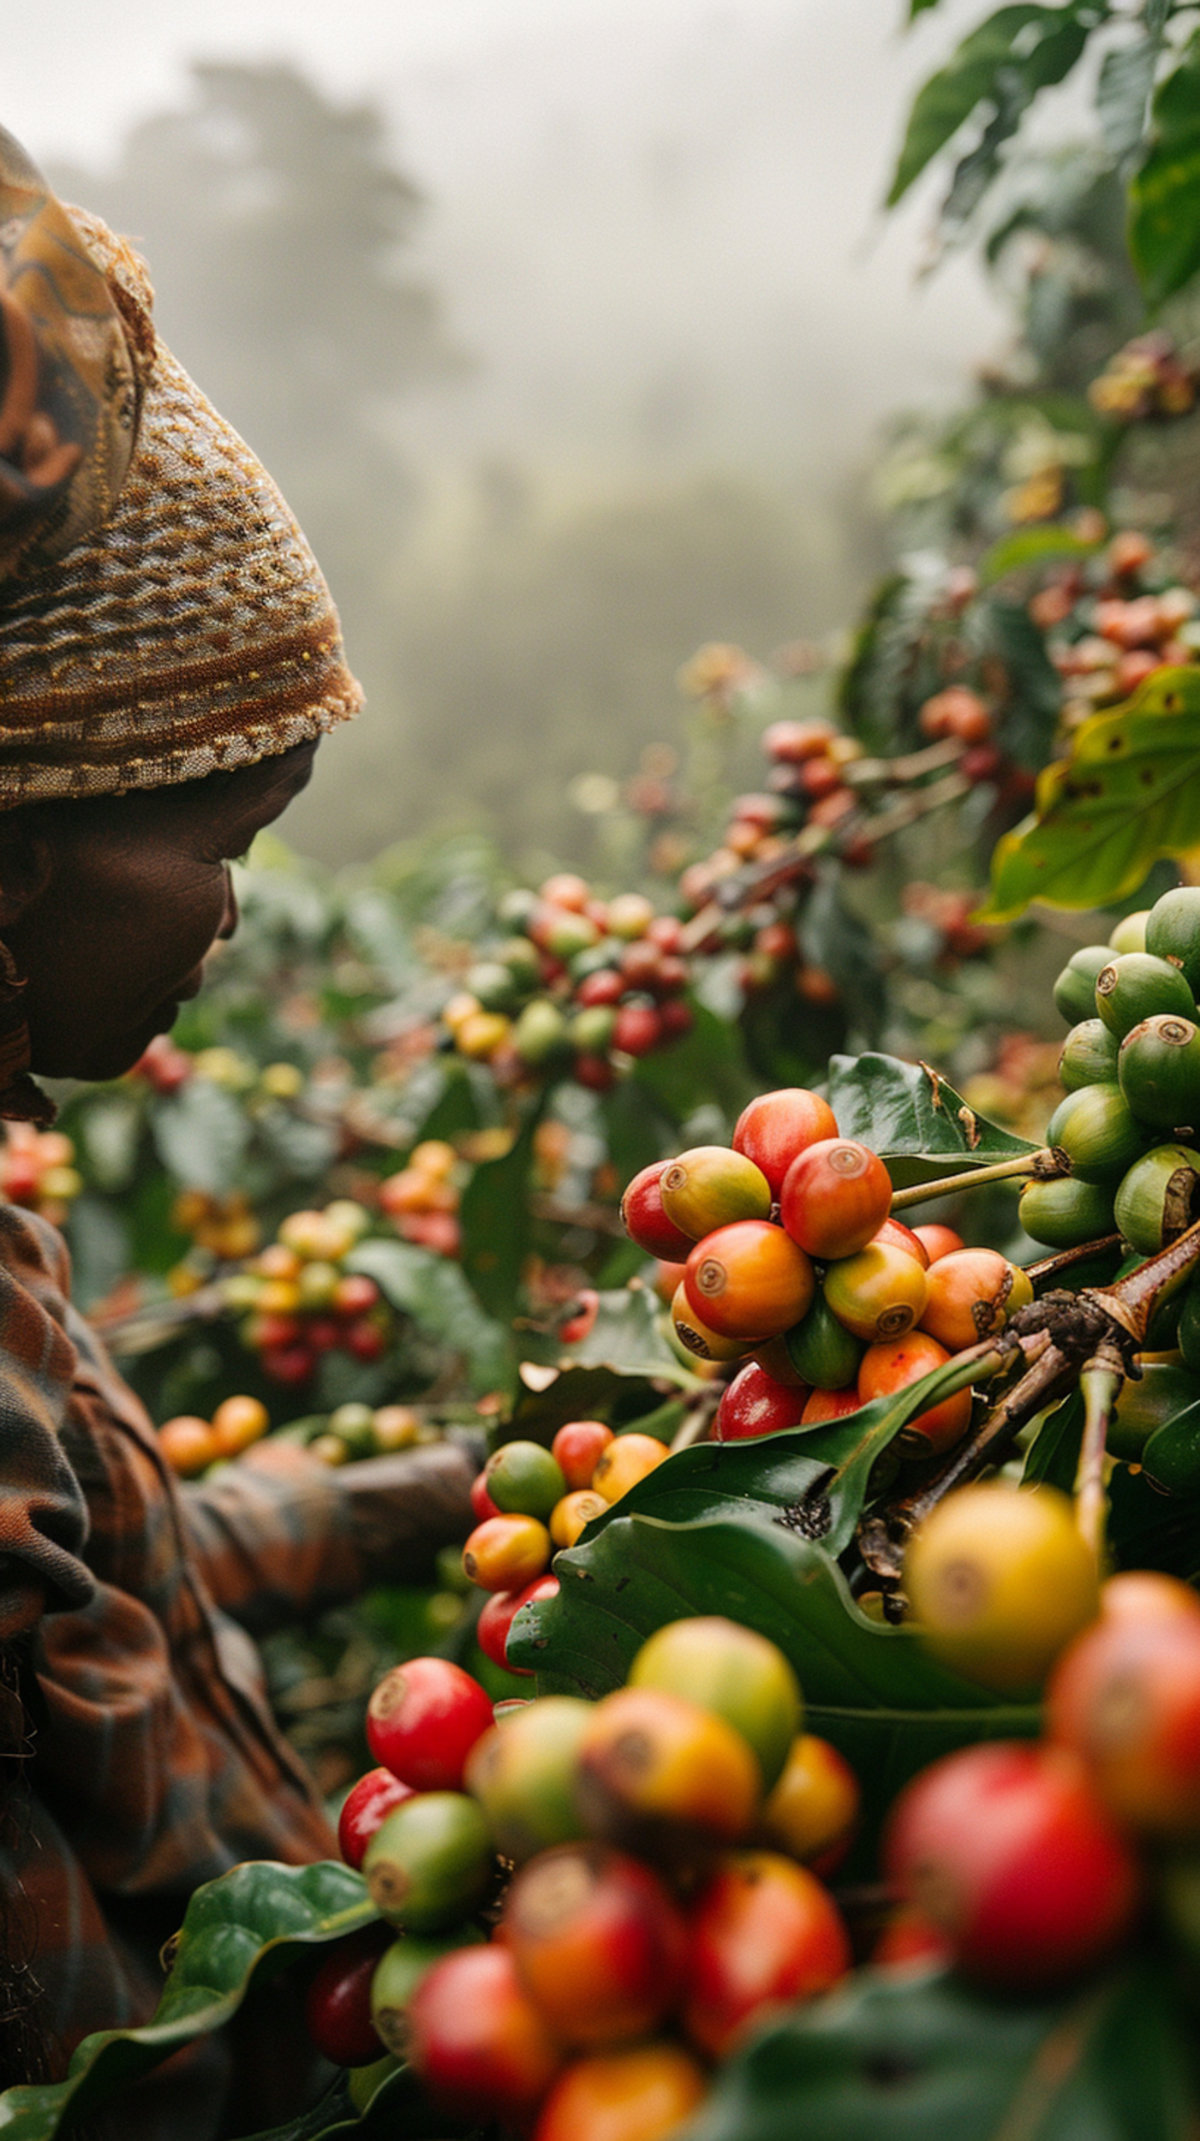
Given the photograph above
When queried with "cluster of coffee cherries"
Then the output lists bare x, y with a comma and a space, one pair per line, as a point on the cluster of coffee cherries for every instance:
783, 1248
1032, 1863
190, 1443
1111, 623
223, 1230
666, 1851
578, 987
529, 1501
422, 1198
37, 1169
1147, 378
1131, 1067
297, 1302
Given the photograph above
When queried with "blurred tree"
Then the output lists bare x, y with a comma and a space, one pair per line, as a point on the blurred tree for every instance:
276, 229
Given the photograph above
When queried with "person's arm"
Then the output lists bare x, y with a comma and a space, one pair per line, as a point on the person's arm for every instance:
43, 1518
277, 1534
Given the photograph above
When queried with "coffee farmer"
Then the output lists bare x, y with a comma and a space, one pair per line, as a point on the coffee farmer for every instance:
169, 659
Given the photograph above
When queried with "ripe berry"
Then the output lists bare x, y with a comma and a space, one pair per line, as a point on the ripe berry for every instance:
734, 1673
813, 1810
835, 1196
762, 1931
893, 1365
778, 1126
423, 1718
878, 1293
645, 2092
337, 2007
971, 1294
597, 1941
1125, 1698
646, 1220
749, 1280
653, 1766
479, 2044
627, 1459
709, 1186
577, 1449
363, 1810
1007, 1851
1000, 1580
505, 1553
500, 1609
755, 1404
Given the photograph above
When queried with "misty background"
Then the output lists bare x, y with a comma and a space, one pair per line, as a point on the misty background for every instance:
567, 327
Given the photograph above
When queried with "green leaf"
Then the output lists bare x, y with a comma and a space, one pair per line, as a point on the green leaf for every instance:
898, 2057
995, 65
1164, 197
919, 7
497, 1224
1128, 795
201, 1133
913, 1119
1033, 546
1123, 94
872, 1690
619, 1396
231, 1926
1028, 716
1053, 1456
432, 1290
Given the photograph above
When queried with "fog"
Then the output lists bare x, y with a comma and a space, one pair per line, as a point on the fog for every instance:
661, 321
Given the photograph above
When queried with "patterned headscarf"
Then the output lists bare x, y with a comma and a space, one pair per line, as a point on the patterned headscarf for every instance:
161, 615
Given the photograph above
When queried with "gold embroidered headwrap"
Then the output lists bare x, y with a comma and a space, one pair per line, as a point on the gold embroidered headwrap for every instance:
161, 615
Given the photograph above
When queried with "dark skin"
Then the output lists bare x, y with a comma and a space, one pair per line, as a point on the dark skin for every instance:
110, 904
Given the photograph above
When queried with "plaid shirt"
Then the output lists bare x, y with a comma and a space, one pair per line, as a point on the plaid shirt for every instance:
127, 1600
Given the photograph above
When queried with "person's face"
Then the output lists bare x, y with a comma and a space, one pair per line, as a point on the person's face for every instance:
110, 904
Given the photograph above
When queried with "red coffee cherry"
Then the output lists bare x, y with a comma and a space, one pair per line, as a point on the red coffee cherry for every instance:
1009, 1853
777, 1127
749, 1280
424, 1718
478, 2042
835, 1197
762, 1931
645, 1220
365, 1806
1125, 1697
755, 1404
337, 2008
597, 1941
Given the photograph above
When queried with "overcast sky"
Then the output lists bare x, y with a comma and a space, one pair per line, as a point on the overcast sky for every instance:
622, 194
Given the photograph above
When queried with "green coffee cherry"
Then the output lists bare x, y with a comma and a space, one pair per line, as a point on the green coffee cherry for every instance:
1147, 1405
493, 983
429, 1862
1134, 986
523, 1774
1188, 1334
524, 1480
1096, 1129
540, 1030
1159, 1072
1065, 1211
822, 1350
1171, 1457
1173, 931
1089, 1055
591, 1029
1130, 933
398, 1973
1159, 1197
1075, 989
354, 1424
521, 958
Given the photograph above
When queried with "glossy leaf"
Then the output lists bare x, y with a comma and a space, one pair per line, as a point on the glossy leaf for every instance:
1002, 65
1128, 795
870, 1689
202, 1133
1033, 546
919, 7
1164, 220
900, 2057
917, 1122
231, 1926
497, 1224
434, 1292
1123, 93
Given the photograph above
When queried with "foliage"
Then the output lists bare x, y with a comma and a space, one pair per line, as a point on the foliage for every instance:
1145, 101
1128, 794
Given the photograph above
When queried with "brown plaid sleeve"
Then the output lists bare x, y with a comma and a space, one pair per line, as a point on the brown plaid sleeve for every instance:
43, 1520
276, 1534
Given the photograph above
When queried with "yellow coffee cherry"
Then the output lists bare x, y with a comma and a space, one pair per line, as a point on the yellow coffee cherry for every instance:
999, 1580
